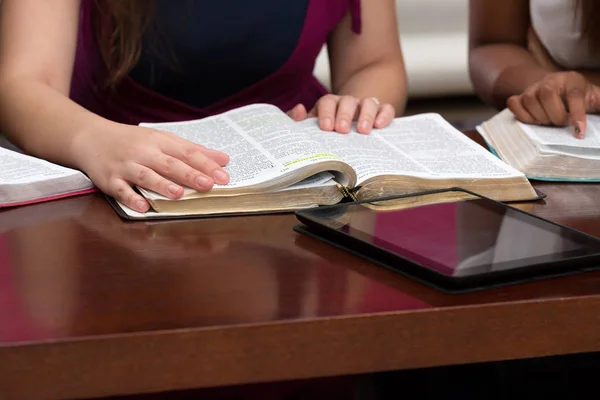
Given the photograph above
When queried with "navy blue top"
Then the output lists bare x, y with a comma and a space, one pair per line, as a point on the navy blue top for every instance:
217, 48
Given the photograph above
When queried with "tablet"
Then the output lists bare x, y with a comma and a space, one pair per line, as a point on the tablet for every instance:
454, 246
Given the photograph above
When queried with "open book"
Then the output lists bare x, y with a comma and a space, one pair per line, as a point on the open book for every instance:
277, 164
25, 179
545, 153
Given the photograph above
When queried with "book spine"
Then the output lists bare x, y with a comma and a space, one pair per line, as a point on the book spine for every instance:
347, 193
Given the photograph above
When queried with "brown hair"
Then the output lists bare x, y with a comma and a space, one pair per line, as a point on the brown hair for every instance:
120, 26
589, 12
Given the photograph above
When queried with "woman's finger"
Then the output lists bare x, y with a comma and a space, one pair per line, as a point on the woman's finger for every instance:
217, 156
577, 110
194, 156
298, 113
174, 142
369, 108
346, 112
148, 179
385, 117
121, 191
516, 107
180, 172
553, 105
326, 107
531, 103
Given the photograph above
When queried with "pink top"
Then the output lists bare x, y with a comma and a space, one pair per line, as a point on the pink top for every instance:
132, 103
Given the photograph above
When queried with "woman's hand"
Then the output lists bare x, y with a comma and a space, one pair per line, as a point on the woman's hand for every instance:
337, 113
128, 155
560, 99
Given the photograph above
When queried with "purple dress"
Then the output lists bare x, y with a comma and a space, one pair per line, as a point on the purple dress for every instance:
132, 103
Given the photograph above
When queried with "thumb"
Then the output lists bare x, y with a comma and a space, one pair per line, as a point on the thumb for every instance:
298, 113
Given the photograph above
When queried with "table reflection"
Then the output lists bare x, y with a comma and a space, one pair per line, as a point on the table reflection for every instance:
87, 272
74, 268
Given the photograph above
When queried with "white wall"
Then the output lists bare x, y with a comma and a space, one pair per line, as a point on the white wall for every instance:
432, 16
434, 38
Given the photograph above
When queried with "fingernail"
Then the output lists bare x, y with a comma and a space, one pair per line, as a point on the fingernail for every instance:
221, 176
379, 122
343, 124
578, 131
327, 124
173, 189
364, 125
202, 181
141, 206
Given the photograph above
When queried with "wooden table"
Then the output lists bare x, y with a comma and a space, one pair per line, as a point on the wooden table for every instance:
93, 306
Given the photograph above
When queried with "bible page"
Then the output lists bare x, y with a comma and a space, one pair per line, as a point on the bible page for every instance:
262, 143
423, 146
318, 180
561, 140
25, 178
20, 169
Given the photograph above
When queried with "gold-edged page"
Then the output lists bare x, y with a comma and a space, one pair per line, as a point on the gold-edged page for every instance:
544, 152
321, 189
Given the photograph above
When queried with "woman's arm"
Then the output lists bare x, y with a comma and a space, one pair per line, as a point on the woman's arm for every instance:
369, 64
500, 65
367, 72
509, 68
37, 51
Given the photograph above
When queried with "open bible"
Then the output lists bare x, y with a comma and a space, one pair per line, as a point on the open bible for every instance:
25, 179
277, 164
543, 152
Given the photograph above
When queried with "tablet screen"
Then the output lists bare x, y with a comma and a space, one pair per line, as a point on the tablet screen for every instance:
462, 238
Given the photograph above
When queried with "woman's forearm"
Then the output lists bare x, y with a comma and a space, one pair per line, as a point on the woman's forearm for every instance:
499, 71
44, 122
591, 75
384, 80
